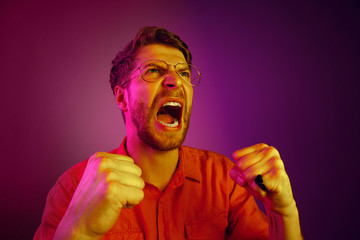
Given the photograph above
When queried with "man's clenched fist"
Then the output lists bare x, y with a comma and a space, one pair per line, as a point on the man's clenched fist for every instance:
264, 160
109, 183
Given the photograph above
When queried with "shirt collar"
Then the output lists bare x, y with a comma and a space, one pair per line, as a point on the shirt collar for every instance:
191, 163
122, 149
188, 162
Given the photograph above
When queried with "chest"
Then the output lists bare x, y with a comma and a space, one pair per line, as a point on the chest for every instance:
186, 211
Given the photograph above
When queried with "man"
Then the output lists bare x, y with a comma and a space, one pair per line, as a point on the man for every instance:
152, 187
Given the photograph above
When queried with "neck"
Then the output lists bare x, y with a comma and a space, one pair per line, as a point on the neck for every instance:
157, 167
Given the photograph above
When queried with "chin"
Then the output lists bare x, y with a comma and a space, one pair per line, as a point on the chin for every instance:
165, 142
154, 133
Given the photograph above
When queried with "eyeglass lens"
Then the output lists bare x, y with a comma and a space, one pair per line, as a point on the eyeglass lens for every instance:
153, 70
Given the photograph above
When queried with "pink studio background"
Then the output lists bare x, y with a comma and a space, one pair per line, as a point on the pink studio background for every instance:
282, 73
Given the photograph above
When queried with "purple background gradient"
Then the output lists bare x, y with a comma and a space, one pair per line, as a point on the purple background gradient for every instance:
282, 73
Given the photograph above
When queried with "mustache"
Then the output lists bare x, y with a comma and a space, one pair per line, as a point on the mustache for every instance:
172, 93
169, 93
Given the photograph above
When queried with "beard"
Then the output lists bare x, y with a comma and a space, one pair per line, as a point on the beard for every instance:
143, 119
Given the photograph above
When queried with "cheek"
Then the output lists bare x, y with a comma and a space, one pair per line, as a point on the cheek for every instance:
140, 94
189, 97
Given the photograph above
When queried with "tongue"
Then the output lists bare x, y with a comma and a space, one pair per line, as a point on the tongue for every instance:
166, 118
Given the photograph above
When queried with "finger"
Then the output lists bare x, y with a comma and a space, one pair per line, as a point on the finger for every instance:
262, 167
258, 157
114, 156
251, 173
124, 195
111, 165
274, 178
272, 175
250, 159
126, 179
246, 168
236, 176
102, 159
259, 189
255, 190
244, 151
134, 197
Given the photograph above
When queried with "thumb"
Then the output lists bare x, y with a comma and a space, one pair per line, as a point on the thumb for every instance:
237, 177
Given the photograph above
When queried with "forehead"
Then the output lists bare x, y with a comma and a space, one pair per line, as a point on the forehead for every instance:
159, 51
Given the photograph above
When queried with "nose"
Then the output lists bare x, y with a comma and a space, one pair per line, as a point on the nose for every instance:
172, 79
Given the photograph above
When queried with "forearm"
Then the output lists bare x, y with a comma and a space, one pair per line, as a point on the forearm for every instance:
63, 234
284, 226
67, 229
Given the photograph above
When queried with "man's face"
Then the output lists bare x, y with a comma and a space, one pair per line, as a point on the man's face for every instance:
159, 112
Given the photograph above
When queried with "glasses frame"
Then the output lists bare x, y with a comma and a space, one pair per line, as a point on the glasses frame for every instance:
162, 77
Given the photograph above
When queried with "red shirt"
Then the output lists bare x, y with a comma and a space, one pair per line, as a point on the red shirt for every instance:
200, 202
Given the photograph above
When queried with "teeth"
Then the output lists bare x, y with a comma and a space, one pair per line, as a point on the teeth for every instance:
174, 104
176, 121
174, 124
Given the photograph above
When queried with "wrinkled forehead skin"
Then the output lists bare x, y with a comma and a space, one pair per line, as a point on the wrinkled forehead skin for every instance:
159, 51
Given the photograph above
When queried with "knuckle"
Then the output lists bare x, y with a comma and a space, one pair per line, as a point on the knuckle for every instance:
261, 145
98, 155
279, 173
278, 163
139, 195
127, 158
138, 170
237, 154
142, 183
110, 176
123, 158
272, 150
139, 183
104, 162
240, 163
249, 174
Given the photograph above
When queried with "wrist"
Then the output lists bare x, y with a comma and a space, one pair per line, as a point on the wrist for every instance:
73, 230
73, 234
284, 223
287, 211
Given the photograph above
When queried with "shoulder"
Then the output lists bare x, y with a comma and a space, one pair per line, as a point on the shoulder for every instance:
70, 179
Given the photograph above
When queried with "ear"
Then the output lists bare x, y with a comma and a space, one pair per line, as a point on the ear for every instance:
121, 99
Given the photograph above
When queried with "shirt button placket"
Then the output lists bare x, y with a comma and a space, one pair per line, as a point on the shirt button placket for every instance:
163, 221
160, 224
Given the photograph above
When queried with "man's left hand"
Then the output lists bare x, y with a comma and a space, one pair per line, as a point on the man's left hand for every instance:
264, 160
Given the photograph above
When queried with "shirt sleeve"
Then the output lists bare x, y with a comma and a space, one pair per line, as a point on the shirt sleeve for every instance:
56, 205
246, 220
58, 201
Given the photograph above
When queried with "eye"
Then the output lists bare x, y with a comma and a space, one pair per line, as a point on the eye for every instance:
152, 72
185, 74
183, 70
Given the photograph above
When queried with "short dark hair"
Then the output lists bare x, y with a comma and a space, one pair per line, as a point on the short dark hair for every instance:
123, 63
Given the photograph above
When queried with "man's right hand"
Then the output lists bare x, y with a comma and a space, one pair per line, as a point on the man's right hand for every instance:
109, 183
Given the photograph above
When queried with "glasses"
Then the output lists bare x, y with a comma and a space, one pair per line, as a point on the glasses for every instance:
155, 69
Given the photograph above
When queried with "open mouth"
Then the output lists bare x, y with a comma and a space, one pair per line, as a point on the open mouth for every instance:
169, 114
